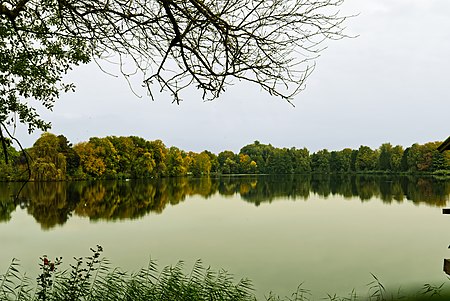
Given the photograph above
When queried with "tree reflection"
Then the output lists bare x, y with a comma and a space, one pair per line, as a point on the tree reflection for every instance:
7, 201
48, 203
53, 203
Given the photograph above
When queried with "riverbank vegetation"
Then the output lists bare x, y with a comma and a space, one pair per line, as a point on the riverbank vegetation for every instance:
93, 278
54, 158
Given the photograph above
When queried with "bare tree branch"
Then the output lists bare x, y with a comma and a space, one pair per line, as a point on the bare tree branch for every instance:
173, 44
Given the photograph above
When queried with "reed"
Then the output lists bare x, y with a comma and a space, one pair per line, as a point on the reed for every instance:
92, 278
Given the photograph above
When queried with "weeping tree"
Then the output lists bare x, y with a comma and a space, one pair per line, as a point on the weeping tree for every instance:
173, 45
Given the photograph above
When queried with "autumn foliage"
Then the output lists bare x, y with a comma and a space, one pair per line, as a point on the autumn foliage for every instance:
54, 158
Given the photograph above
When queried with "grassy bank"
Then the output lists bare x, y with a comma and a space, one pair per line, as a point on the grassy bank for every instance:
93, 278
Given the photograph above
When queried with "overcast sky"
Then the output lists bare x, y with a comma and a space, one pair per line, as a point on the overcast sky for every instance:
390, 84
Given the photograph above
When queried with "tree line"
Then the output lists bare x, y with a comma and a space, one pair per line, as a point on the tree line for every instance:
54, 158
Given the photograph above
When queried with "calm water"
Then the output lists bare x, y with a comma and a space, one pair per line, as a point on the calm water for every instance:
328, 232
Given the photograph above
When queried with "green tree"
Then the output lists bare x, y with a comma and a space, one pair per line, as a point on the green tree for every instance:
413, 158
447, 160
353, 160
404, 166
396, 158
429, 157
48, 162
91, 163
345, 157
9, 170
438, 161
227, 162
201, 164
246, 164
420, 157
320, 161
104, 149
280, 161
134, 158
366, 159
335, 162
72, 158
301, 160
385, 158
260, 153
175, 162
144, 166
214, 161
159, 152
127, 154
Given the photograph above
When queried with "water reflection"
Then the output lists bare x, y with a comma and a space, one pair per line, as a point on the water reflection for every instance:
54, 203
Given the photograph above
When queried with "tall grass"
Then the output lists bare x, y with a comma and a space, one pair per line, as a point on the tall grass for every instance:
92, 278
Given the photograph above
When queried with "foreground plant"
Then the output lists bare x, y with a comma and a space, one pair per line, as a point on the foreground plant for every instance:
92, 279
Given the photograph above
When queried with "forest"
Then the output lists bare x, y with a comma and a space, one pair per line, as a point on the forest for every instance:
53, 158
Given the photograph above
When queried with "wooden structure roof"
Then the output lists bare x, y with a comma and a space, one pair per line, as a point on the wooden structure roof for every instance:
445, 145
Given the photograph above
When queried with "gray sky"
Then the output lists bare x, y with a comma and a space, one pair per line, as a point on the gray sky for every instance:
390, 84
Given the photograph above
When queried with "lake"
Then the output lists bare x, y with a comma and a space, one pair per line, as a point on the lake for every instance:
327, 232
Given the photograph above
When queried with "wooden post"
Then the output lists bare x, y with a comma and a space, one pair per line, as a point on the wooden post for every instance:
447, 266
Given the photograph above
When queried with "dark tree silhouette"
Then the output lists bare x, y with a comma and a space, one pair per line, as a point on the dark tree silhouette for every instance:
174, 44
